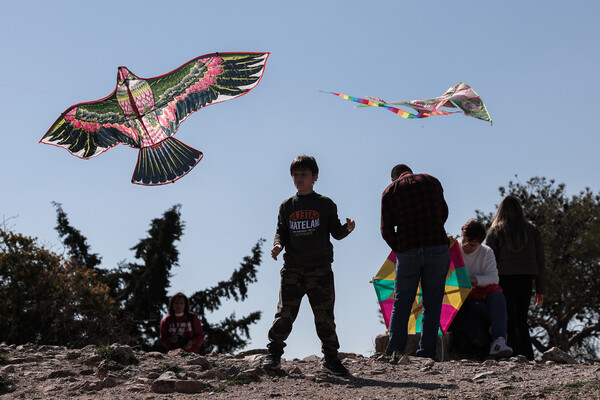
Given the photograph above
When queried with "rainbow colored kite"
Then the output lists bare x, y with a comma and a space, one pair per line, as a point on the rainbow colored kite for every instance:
457, 289
461, 96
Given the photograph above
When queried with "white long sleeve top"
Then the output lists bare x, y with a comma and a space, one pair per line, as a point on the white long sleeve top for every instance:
482, 265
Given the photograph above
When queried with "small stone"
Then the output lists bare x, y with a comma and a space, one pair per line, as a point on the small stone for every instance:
189, 386
490, 363
201, 361
93, 359
109, 381
216, 373
87, 371
61, 373
91, 386
136, 388
155, 354
123, 353
483, 375
109, 365
163, 386
246, 353
295, 371
9, 369
404, 360
312, 357
72, 355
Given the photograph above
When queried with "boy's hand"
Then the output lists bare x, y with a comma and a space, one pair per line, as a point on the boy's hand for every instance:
275, 251
351, 224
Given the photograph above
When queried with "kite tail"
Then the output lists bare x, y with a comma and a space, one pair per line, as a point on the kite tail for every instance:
164, 162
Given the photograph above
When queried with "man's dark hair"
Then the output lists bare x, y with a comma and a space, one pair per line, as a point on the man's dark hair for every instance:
399, 170
473, 230
304, 162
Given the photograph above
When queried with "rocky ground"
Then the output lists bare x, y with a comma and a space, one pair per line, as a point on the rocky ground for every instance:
118, 372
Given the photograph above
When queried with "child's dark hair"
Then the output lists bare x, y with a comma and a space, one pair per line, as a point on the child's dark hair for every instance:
473, 230
304, 162
172, 300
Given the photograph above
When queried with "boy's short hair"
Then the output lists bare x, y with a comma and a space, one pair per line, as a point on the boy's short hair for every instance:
399, 170
474, 230
304, 162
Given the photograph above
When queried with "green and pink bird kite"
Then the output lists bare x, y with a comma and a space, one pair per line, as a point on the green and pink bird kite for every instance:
146, 113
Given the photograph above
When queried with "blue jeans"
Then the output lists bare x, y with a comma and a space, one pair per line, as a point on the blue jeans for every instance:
429, 265
492, 309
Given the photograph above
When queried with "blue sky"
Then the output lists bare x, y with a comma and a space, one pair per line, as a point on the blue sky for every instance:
536, 68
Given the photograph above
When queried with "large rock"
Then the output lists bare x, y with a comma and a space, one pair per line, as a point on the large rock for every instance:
412, 343
557, 355
381, 343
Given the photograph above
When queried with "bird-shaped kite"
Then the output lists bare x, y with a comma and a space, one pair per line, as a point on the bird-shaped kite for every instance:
146, 113
461, 96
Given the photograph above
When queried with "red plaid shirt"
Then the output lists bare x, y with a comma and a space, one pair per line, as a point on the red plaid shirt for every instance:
413, 213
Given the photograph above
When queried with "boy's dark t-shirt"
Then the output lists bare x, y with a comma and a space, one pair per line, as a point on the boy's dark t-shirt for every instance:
304, 225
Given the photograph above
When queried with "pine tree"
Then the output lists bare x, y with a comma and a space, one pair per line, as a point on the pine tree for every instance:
231, 333
145, 285
140, 289
75, 243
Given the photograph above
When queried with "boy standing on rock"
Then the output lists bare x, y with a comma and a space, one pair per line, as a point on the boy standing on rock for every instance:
304, 226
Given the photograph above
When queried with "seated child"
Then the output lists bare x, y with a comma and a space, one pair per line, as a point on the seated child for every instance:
486, 298
181, 329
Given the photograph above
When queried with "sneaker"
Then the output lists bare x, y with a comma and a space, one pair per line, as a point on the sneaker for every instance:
271, 361
334, 366
499, 349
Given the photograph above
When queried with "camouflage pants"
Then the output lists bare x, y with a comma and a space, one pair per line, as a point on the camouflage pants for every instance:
317, 284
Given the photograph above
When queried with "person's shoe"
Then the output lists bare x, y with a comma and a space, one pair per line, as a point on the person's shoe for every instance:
271, 361
499, 349
334, 366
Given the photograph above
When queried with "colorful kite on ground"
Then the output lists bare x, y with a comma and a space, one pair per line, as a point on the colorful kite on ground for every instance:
457, 289
146, 113
461, 96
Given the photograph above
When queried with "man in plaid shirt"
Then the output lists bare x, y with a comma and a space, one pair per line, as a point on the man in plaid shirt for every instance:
413, 213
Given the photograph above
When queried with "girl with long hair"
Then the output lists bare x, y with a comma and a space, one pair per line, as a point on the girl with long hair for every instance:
519, 253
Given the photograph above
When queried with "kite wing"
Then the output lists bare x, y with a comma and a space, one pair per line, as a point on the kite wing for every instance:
461, 96
383, 283
90, 128
456, 291
208, 79
146, 113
